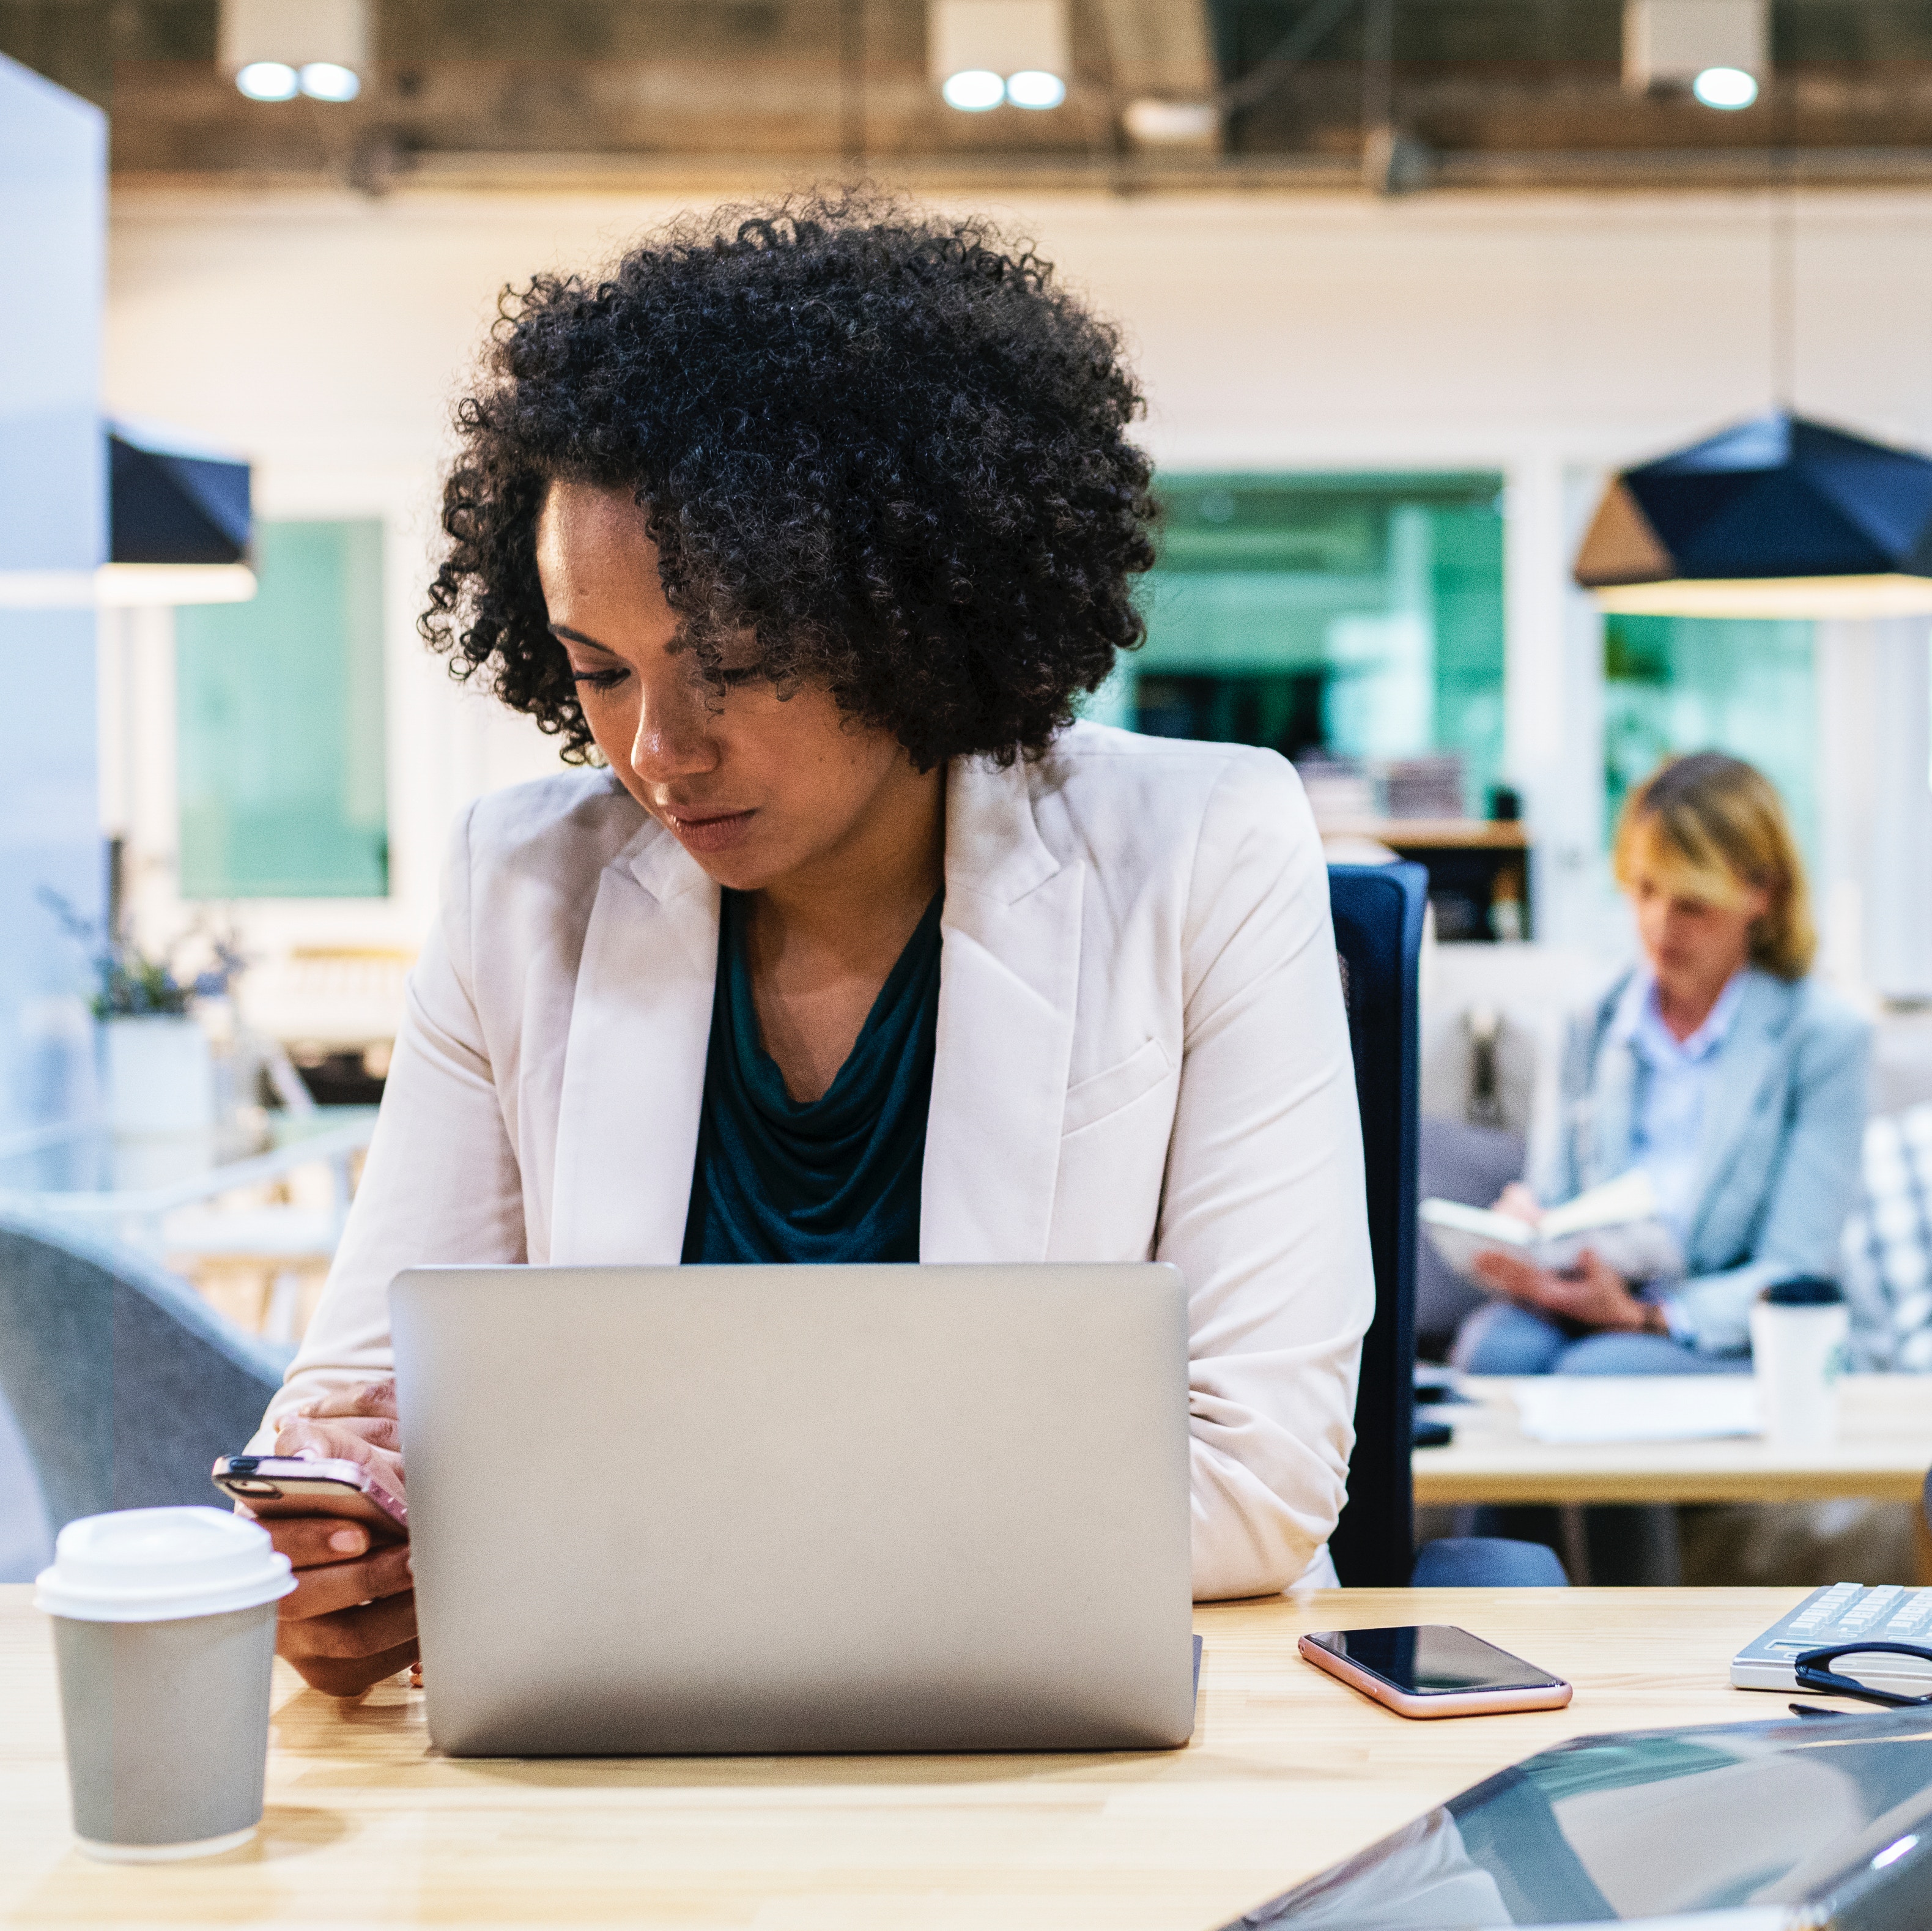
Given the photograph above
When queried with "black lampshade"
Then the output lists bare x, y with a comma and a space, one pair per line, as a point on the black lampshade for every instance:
1777, 515
171, 506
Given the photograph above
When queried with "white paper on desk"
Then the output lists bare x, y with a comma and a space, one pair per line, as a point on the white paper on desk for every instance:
1578, 1408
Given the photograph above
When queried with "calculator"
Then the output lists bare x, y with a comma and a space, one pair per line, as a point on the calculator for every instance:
1842, 1614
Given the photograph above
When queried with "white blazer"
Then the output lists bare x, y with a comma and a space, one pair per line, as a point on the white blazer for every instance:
1142, 1053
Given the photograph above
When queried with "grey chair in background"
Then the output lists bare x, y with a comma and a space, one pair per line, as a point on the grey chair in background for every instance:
26, 1547
125, 1384
1473, 1164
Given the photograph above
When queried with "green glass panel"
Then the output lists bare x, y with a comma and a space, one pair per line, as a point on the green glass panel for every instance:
279, 703
1359, 615
1746, 686
1467, 586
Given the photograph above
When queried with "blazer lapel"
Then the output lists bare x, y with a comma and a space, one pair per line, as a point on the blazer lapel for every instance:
634, 1065
1748, 1057
1008, 983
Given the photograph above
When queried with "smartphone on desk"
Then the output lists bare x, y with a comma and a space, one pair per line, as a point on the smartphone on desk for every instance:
275, 1485
1433, 1669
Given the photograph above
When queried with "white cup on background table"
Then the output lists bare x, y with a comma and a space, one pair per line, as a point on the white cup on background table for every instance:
1798, 1329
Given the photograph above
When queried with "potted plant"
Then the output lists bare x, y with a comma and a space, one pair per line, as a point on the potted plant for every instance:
159, 1075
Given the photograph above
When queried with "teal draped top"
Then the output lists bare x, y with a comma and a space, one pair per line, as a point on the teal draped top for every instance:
836, 1179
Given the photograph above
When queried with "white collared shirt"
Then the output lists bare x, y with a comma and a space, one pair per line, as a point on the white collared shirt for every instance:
1674, 1079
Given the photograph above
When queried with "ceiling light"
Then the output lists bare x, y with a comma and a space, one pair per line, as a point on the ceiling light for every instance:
1170, 123
276, 48
973, 91
324, 80
1032, 88
141, 585
267, 80
1778, 517
1727, 87
145, 585
1670, 45
971, 44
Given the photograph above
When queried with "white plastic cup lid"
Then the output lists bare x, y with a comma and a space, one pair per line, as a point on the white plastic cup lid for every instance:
154, 1565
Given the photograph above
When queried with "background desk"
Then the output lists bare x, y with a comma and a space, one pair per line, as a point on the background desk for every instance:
1288, 1772
1883, 1452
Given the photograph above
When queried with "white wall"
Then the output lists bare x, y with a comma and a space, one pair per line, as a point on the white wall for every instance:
1551, 336
1875, 829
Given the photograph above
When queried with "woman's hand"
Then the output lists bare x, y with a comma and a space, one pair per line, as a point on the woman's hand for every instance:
1519, 1203
351, 1620
1593, 1296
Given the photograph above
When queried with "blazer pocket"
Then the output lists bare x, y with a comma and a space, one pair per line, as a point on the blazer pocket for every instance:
1091, 1100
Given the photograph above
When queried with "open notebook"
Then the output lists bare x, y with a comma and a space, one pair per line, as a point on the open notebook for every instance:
1617, 1221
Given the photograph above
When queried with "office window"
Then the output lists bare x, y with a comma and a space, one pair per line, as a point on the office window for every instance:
1358, 617
1673, 684
280, 724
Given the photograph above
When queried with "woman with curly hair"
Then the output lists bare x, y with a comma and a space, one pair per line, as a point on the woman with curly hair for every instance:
806, 530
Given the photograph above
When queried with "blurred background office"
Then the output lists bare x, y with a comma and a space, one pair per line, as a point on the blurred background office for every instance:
1411, 282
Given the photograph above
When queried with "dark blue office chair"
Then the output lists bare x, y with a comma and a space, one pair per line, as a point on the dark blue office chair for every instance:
125, 1383
1377, 914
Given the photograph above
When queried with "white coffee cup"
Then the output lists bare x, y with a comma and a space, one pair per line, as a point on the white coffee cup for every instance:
1798, 1331
164, 1629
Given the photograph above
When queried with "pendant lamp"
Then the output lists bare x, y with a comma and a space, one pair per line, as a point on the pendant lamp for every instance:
1777, 516
179, 530
179, 523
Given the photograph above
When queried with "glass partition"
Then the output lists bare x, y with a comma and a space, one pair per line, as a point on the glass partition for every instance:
1746, 686
280, 724
1355, 617
53, 198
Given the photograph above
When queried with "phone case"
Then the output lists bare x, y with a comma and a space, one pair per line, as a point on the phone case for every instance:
1453, 1703
276, 1486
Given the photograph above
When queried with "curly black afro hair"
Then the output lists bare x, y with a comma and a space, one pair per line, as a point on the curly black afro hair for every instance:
884, 443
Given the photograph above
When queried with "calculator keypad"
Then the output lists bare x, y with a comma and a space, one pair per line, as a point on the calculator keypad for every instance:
1843, 1613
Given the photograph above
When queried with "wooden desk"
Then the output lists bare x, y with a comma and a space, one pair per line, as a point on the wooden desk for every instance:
1883, 1452
1474, 866
1288, 1772
1432, 834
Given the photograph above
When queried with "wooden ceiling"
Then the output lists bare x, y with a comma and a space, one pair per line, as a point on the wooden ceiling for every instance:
1479, 92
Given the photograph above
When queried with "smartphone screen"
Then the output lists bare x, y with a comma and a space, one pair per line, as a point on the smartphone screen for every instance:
1433, 1659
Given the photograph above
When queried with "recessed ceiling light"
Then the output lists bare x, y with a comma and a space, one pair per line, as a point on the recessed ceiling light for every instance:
1727, 87
1157, 123
1032, 88
973, 90
324, 80
267, 80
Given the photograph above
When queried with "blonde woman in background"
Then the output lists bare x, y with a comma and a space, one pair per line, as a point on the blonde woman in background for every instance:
1717, 1067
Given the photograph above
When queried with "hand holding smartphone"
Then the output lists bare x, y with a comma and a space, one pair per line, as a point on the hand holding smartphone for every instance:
1433, 1669
332, 1499
274, 1486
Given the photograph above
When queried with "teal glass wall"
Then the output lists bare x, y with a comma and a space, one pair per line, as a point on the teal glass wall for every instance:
1359, 616
280, 705
1746, 686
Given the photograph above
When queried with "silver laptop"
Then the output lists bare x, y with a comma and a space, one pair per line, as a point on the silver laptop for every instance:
691, 1509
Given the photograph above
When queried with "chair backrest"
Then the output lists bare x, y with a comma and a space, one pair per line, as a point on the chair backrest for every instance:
125, 1386
1378, 913
1885, 1256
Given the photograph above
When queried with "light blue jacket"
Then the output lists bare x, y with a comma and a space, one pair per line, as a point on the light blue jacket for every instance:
1778, 1164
